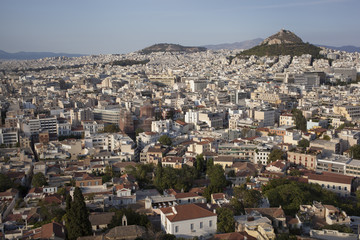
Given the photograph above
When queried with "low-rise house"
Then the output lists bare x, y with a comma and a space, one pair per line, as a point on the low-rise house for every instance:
219, 199
100, 221
256, 225
277, 166
337, 183
276, 215
188, 221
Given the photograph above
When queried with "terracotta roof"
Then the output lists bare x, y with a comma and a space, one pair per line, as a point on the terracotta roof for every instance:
150, 133
218, 196
36, 190
186, 195
55, 198
331, 208
279, 164
233, 236
291, 220
330, 177
181, 122
101, 218
49, 229
186, 212
126, 232
268, 212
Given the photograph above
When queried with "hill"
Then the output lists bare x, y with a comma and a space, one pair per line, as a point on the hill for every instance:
166, 47
34, 55
236, 45
283, 43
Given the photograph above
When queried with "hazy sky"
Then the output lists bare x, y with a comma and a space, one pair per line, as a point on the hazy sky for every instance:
121, 26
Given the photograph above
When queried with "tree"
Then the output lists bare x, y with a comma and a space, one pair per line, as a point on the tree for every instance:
250, 198
5, 182
200, 164
217, 176
303, 143
225, 220
111, 128
77, 220
138, 130
341, 228
237, 206
300, 120
165, 140
276, 154
133, 218
326, 137
355, 151
39, 180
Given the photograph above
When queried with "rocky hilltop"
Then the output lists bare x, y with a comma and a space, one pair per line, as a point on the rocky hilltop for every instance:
283, 43
166, 47
282, 37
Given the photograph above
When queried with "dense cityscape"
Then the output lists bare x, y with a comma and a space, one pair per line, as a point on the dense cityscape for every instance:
194, 143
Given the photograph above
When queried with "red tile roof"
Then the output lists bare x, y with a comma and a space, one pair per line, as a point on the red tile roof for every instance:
186, 212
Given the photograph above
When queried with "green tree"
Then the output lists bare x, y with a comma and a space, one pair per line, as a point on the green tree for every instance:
39, 180
285, 236
237, 206
250, 198
303, 143
133, 218
276, 154
138, 131
326, 137
217, 177
165, 140
341, 228
5, 182
291, 194
200, 164
300, 120
77, 220
225, 220
345, 125
355, 151
111, 128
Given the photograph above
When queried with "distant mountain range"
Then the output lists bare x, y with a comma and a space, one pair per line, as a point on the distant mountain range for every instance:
167, 47
348, 48
236, 45
34, 55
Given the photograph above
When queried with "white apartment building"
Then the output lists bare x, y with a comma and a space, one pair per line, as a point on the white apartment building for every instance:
192, 116
162, 126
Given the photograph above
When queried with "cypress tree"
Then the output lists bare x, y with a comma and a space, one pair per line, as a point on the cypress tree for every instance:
78, 223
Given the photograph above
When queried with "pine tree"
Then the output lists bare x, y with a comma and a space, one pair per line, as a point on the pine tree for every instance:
78, 223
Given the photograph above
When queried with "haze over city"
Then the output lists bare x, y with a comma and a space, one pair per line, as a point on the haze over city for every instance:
104, 27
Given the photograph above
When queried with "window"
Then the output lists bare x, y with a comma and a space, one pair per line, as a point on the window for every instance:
176, 229
210, 223
96, 183
201, 224
345, 188
191, 226
339, 187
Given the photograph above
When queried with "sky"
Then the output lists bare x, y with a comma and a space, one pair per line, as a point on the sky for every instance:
122, 26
